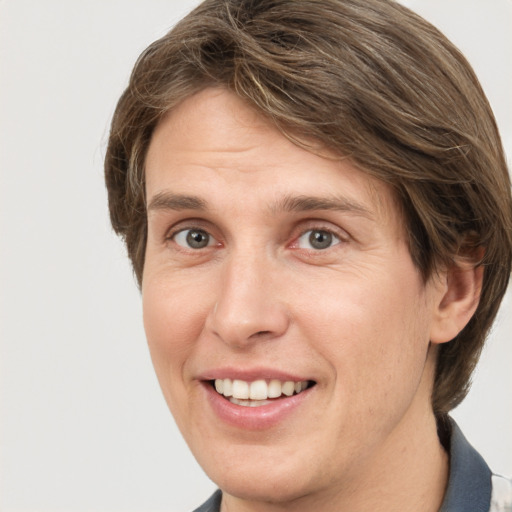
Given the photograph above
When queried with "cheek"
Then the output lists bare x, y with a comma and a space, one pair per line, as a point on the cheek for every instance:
374, 332
172, 321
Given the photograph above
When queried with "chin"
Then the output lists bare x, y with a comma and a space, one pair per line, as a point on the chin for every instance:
273, 489
252, 473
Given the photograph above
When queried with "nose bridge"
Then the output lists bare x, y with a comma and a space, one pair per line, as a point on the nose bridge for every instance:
248, 305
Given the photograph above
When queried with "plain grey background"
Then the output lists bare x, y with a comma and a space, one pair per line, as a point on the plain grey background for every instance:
83, 426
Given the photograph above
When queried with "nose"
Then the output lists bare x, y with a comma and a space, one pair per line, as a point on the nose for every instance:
248, 307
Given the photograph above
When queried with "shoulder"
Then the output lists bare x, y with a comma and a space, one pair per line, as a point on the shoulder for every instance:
501, 497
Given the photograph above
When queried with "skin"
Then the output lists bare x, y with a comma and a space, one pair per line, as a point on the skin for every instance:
354, 317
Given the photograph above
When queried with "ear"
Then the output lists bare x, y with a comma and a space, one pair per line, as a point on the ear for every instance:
457, 300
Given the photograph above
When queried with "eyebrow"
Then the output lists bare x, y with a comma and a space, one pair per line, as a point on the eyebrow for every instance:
309, 203
170, 201
288, 203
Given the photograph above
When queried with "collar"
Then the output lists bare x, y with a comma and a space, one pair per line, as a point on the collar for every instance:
469, 484
212, 504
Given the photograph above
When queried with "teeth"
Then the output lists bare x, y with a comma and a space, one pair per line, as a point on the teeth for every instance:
257, 392
227, 386
288, 388
274, 389
248, 403
240, 389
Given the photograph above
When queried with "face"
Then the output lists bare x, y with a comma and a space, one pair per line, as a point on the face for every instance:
287, 323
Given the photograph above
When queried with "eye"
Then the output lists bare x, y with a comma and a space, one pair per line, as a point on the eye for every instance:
317, 239
193, 238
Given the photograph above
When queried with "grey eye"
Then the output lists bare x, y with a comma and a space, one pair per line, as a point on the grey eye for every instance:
317, 239
193, 238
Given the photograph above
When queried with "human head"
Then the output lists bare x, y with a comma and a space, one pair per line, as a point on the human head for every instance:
369, 80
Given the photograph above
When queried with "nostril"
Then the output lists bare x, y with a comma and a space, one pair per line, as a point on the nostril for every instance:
259, 334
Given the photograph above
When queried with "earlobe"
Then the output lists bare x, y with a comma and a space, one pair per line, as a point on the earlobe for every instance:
459, 294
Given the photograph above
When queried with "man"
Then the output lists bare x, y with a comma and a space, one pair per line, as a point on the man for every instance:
318, 211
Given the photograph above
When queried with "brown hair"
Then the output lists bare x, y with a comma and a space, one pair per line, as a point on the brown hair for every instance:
371, 80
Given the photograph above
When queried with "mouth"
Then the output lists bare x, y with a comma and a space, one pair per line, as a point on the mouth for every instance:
258, 392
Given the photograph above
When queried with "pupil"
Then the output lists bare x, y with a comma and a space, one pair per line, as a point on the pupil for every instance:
197, 239
320, 239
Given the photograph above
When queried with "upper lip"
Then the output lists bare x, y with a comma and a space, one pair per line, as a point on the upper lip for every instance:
251, 374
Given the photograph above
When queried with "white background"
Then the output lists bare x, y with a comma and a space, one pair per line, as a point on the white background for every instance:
83, 426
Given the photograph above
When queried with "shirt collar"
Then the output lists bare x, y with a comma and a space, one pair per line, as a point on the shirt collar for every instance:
469, 485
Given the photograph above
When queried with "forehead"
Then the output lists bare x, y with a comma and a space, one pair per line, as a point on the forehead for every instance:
214, 135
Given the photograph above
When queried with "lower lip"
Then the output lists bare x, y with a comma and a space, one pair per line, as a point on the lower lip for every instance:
254, 418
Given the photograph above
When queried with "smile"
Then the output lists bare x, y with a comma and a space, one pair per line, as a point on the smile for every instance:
258, 392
